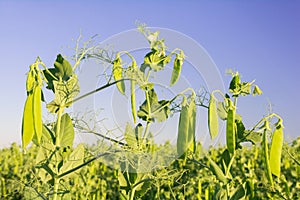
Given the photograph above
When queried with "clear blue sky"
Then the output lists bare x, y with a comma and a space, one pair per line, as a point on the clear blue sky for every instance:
260, 39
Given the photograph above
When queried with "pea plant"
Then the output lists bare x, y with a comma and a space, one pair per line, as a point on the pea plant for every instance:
237, 134
58, 159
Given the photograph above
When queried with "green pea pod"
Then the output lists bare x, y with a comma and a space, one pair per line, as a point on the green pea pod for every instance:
266, 154
183, 128
118, 73
192, 126
28, 122
276, 148
186, 127
177, 68
30, 81
217, 171
133, 104
213, 123
37, 112
230, 129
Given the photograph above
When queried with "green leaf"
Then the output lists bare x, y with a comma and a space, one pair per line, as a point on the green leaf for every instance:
245, 89
235, 84
239, 193
50, 75
159, 110
139, 132
37, 113
155, 60
65, 91
253, 137
28, 122
130, 136
276, 148
66, 134
240, 128
63, 67
213, 123
217, 171
75, 159
222, 110
177, 68
256, 91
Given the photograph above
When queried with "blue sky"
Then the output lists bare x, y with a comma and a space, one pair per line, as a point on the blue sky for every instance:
260, 39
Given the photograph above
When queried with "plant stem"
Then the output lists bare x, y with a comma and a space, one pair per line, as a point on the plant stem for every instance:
57, 134
55, 190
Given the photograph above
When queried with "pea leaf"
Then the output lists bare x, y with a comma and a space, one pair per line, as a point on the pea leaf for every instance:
235, 84
155, 60
159, 110
66, 134
74, 159
222, 110
256, 91
50, 75
63, 67
129, 136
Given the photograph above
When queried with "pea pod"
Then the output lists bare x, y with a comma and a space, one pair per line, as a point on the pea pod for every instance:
276, 148
186, 127
28, 122
266, 153
230, 128
133, 104
192, 126
177, 68
183, 128
37, 112
213, 124
118, 73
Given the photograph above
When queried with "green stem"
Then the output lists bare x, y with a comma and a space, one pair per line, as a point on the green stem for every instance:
132, 193
57, 135
96, 90
146, 133
55, 190
229, 165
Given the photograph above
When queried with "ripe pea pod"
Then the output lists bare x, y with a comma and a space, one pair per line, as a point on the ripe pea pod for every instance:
37, 112
183, 128
186, 127
266, 153
213, 124
132, 97
27, 124
276, 148
118, 73
192, 126
177, 68
230, 128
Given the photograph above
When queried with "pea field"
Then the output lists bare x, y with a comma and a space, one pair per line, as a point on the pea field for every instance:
254, 163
